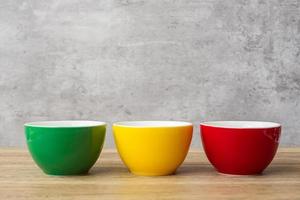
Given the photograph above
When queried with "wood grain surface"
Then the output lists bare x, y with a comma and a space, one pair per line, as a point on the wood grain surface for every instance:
20, 178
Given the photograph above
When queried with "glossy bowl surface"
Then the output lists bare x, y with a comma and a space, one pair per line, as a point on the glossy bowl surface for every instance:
240, 147
153, 148
65, 147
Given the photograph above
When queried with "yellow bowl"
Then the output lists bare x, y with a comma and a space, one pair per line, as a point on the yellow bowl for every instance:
153, 148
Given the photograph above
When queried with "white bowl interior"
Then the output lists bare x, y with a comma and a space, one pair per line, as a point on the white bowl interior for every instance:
70, 123
241, 124
153, 124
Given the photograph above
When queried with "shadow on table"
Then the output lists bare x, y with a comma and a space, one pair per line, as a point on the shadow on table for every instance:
100, 170
286, 169
195, 169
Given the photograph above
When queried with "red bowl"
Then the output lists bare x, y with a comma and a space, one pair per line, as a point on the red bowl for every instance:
240, 147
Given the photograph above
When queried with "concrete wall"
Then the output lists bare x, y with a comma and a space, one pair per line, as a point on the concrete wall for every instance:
113, 60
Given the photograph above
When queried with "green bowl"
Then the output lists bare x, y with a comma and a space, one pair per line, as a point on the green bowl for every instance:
65, 147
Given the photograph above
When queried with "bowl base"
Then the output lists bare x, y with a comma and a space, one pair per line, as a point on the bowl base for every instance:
153, 173
240, 174
54, 173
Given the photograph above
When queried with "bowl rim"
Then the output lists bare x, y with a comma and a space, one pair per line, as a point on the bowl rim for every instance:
65, 124
241, 124
152, 124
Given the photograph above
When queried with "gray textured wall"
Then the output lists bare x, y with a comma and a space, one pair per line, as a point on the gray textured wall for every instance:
114, 60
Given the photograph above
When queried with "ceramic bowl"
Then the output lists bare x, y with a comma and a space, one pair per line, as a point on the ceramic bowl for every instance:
153, 148
65, 147
240, 147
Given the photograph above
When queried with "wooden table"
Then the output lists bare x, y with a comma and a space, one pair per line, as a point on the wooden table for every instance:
20, 178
